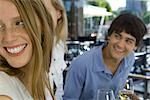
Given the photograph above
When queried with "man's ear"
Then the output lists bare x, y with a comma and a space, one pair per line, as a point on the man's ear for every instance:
135, 48
108, 38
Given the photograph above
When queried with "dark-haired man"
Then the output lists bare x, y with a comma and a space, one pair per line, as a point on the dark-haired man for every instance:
106, 66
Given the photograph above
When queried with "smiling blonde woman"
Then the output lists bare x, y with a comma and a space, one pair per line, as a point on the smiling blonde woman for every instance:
26, 40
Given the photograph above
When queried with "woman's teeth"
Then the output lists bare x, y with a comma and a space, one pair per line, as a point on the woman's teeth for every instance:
15, 49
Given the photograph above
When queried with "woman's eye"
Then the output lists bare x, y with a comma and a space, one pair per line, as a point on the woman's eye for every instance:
2, 27
19, 23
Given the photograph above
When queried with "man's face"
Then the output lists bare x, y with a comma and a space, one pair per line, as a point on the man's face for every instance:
120, 45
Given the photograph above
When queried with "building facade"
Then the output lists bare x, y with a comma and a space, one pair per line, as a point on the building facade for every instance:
74, 10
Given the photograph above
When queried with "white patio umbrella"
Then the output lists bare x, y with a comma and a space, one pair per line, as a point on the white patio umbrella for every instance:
91, 11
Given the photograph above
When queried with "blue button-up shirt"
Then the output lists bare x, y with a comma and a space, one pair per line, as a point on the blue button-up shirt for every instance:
88, 73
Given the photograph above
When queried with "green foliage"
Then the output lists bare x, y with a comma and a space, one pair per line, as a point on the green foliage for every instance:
146, 17
101, 3
94, 3
105, 4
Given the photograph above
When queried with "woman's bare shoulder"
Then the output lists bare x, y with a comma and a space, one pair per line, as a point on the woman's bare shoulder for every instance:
4, 97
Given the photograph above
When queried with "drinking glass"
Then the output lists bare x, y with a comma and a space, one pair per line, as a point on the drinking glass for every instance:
129, 85
127, 91
103, 94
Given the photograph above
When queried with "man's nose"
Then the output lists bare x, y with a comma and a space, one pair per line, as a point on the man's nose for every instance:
121, 43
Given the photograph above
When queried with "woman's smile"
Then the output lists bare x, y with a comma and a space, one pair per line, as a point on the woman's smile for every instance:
16, 50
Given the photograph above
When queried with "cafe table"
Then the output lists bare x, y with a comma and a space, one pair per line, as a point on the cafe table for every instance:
146, 79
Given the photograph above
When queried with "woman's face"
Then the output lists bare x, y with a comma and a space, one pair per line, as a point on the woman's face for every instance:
56, 14
15, 44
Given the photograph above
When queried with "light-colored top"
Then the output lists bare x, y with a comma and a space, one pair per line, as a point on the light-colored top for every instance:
57, 67
13, 87
88, 73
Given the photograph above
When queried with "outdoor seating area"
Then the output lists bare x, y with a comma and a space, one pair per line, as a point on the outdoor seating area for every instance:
89, 26
140, 72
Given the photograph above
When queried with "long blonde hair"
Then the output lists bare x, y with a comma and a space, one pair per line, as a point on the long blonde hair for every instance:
32, 12
62, 24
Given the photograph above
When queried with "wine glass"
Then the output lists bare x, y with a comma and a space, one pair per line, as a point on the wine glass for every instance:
127, 91
103, 94
129, 85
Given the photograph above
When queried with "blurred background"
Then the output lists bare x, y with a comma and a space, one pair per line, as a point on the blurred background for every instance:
88, 16
88, 21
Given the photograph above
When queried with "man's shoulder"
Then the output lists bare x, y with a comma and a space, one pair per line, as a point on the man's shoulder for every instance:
86, 59
88, 54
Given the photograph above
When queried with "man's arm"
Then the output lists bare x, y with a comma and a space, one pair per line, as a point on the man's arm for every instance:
74, 81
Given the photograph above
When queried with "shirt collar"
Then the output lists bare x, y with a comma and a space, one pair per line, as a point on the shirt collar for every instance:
98, 60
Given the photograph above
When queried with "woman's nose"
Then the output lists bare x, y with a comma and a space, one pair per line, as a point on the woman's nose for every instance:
9, 35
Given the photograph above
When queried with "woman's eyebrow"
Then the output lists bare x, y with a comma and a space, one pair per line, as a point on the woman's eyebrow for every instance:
16, 18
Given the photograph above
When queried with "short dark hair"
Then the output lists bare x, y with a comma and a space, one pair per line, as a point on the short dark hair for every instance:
130, 24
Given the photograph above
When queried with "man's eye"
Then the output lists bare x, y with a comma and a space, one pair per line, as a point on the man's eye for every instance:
117, 36
130, 42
